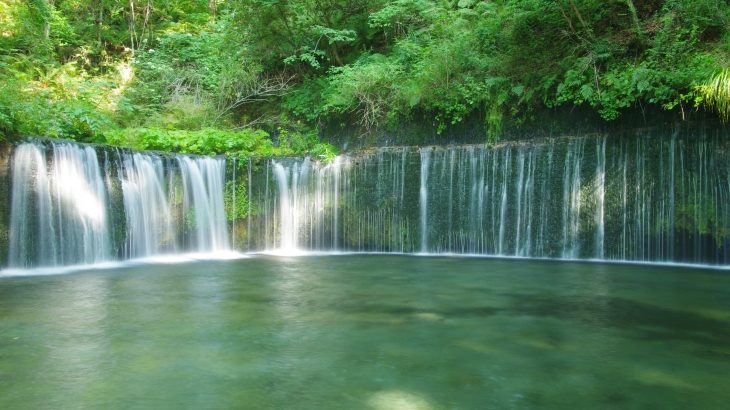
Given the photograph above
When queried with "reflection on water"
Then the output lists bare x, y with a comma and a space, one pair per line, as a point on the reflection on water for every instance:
79, 318
398, 400
367, 332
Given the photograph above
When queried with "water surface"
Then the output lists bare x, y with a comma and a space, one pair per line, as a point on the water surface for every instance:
367, 332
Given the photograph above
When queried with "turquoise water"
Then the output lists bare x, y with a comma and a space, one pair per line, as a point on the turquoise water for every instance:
367, 332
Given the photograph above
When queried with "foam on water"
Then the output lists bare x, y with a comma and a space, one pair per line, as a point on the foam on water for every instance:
152, 260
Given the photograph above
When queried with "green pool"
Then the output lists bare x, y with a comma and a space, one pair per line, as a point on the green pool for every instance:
367, 332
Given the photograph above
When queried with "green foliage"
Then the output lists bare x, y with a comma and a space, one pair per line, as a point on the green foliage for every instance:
451, 60
304, 101
674, 61
211, 141
176, 79
204, 142
38, 108
173, 81
302, 35
83, 69
240, 210
716, 94
363, 88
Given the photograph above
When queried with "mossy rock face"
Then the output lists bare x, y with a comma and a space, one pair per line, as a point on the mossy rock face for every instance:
5, 151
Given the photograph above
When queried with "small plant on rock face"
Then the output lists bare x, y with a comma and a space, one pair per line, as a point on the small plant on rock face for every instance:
235, 198
715, 94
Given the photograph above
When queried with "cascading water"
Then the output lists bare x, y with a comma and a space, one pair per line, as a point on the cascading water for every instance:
288, 212
150, 228
203, 182
572, 199
308, 205
503, 207
423, 197
600, 198
64, 196
635, 198
58, 211
638, 198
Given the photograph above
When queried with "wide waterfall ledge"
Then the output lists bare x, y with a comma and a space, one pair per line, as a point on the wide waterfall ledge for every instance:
658, 197
74, 204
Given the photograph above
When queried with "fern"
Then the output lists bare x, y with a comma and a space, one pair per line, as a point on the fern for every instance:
716, 94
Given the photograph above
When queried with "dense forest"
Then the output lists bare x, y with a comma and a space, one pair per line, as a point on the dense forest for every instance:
215, 76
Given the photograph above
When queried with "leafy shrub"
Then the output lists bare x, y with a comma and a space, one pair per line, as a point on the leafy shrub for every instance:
211, 141
715, 94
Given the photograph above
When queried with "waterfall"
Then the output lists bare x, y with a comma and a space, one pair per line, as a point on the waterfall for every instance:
149, 224
633, 198
309, 205
423, 197
233, 207
572, 200
31, 177
249, 196
76, 204
600, 198
203, 192
336, 200
647, 197
503, 201
287, 213
59, 207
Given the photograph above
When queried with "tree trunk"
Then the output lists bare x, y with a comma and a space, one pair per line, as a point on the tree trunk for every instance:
147, 23
47, 22
583, 22
99, 22
132, 26
635, 18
